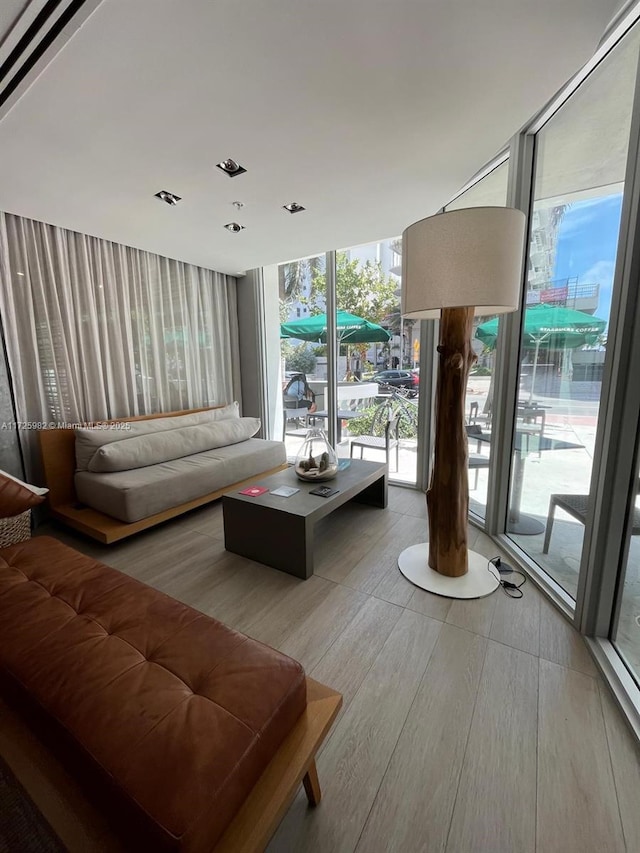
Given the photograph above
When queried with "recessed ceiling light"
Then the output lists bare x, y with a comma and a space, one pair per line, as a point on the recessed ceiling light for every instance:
293, 207
170, 198
234, 227
231, 168
20, 273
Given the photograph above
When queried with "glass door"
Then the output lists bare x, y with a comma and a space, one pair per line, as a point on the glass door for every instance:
303, 361
575, 219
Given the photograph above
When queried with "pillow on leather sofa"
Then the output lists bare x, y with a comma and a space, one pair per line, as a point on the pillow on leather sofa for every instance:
16, 496
143, 450
89, 439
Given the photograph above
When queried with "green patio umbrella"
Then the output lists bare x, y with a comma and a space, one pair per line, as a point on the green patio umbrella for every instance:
549, 327
351, 329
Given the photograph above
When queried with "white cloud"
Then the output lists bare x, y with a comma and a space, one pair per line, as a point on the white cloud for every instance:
581, 215
600, 273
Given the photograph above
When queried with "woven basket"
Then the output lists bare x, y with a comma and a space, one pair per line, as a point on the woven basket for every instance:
15, 529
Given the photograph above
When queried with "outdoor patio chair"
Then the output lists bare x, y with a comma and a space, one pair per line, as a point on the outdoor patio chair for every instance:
295, 413
476, 460
576, 506
386, 442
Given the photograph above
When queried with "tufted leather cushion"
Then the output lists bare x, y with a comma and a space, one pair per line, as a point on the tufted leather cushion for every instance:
182, 712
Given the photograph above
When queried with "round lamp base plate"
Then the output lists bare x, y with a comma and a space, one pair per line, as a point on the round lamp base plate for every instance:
478, 582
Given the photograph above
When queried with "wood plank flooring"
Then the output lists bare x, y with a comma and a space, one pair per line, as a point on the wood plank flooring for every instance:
467, 726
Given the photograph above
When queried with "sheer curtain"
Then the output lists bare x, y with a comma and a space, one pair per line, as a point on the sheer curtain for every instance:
98, 330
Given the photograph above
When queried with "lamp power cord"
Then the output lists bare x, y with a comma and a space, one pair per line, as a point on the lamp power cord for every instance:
498, 569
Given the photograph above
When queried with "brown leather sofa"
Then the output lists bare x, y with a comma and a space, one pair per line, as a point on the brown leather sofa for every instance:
166, 711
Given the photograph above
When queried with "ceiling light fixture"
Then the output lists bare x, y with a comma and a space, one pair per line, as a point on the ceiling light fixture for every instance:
293, 207
230, 167
234, 227
170, 198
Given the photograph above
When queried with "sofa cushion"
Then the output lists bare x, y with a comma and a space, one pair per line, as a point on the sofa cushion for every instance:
181, 712
89, 439
17, 496
141, 492
143, 450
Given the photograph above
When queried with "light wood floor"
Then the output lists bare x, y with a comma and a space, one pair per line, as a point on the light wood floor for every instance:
477, 726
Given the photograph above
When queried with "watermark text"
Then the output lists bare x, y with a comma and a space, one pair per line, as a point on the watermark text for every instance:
28, 425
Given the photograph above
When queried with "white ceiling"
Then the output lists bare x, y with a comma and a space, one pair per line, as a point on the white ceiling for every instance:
370, 113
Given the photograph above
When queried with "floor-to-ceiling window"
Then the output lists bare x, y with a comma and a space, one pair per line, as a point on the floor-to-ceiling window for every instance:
626, 623
303, 358
378, 383
580, 159
491, 191
377, 356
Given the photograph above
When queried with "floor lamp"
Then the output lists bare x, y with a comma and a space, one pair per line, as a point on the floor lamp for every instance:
455, 265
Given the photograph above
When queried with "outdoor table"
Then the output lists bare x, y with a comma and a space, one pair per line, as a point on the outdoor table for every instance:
343, 415
532, 404
525, 443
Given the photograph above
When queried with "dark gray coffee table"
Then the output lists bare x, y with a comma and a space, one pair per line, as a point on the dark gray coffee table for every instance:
279, 531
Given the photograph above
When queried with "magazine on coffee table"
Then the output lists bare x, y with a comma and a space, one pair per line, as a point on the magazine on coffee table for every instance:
284, 491
253, 491
324, 491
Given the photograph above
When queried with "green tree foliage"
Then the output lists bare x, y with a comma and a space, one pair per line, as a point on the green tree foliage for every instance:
369, 422
299, 357
361, 289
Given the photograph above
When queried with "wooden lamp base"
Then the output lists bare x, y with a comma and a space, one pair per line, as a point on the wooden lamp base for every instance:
444, 565
448, 495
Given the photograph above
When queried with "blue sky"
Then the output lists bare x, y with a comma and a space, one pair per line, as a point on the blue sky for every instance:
587, 244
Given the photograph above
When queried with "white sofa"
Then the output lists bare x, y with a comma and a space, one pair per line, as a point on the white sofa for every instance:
128, 475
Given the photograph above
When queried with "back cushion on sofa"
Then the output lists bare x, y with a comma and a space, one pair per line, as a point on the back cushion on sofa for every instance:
89, 439
142, 450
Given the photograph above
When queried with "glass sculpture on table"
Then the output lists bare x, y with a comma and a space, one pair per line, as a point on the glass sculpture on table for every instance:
316, 460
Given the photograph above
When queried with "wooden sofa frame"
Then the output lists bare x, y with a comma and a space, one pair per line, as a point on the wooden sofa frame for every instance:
57, 447
79, 823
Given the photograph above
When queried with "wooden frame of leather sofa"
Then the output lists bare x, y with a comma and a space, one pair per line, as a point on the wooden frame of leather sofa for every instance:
57, 447
77, 821
264, 808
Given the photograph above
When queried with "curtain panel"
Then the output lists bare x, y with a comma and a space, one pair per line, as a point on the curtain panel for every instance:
98, 330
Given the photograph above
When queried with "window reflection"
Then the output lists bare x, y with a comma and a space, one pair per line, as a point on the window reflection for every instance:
575, 220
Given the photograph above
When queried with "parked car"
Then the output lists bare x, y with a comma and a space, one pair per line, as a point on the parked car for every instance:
399, 379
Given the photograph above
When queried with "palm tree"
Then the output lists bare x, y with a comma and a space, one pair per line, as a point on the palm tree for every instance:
292, 278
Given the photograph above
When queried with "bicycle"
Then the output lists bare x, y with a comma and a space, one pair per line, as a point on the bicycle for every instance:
399, 402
